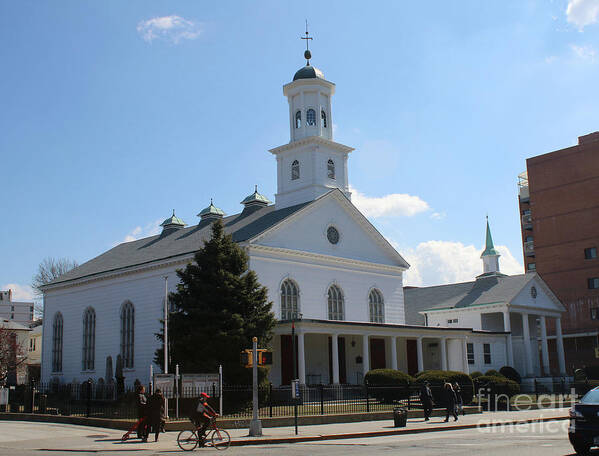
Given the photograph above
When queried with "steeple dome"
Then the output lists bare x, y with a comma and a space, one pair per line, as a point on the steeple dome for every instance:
255, 199
211, 212
490, 255
173, 222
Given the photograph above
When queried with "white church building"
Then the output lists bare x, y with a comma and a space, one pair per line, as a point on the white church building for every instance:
326, 267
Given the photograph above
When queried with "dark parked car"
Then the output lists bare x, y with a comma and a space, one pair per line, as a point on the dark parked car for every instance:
584, 423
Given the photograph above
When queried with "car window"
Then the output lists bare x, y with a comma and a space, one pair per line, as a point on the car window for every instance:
592, 397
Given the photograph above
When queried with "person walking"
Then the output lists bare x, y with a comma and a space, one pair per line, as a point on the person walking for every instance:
459, 399
156, 413
426, 399
142, 413
450, 402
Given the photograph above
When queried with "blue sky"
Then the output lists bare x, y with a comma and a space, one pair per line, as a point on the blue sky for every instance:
114, 113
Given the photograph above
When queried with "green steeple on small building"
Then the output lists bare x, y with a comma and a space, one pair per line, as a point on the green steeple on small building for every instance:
490, 255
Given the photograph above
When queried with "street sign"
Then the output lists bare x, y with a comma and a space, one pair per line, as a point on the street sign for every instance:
295, 389
166, 383
193, 384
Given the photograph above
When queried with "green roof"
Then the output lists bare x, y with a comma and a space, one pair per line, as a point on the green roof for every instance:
308, 72
211, 210
173, 220
256, 198
489, 247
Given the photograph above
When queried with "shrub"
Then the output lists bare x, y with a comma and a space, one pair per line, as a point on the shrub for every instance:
511, 374
493, 373
499, 385
388, 385
474, 375
438, 378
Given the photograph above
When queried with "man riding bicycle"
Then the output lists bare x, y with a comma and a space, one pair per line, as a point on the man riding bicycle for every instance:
202, 416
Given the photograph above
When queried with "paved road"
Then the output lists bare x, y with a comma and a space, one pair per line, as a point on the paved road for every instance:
548, 439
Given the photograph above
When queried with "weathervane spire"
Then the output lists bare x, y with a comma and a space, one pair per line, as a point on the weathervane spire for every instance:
307, 54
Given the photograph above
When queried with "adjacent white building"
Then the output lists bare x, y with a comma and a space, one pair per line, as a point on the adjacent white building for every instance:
326, 267
18, 311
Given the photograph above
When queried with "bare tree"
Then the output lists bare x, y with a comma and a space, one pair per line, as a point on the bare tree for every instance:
50, 269
11, 355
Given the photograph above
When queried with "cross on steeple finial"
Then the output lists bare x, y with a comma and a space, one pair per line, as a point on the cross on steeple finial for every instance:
307, 54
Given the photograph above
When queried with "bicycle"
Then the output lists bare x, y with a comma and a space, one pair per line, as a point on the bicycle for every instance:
220, 439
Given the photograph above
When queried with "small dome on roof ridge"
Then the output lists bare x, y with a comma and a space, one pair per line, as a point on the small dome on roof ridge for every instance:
173, 222
256, 199
211, 212
308, 72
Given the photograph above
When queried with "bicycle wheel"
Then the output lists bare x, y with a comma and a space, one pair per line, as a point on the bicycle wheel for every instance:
187, 440
220, 439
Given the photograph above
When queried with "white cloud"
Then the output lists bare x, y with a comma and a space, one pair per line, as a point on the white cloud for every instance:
151, 229
585, 52
438, 215
442, 262
393, 205
169, 28
19, 292
582, 12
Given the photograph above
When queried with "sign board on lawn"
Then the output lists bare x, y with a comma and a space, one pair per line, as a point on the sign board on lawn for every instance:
194, 384
3, 396
166, 383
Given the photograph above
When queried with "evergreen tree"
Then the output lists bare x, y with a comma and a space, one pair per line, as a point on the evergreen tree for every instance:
218, 308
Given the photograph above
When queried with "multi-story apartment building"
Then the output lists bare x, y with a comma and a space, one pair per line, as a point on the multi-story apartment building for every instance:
21, 312
559, 210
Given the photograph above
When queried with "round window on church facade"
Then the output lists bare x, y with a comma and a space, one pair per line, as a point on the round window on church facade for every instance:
332, 235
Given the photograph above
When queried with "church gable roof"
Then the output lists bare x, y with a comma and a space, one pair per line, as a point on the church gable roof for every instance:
243, 226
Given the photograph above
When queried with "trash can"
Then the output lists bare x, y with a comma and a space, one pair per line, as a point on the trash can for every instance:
400, 417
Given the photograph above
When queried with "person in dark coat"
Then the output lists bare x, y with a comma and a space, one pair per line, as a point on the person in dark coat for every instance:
142, 413
156, 412
450, 402
426, 399
459, 399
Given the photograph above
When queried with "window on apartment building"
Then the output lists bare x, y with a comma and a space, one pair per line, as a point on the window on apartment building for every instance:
590, 253
594, 313
593, 283
31, 345
452, 320
12, 316
470, 353
12, 308
531, 266
487, 353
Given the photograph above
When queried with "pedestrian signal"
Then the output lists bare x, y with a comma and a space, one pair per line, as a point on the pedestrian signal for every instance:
246, 358
264, 358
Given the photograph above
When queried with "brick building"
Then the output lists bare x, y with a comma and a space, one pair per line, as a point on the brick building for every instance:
559, 208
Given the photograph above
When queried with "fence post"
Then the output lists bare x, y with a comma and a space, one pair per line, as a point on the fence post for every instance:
367, 401
270, 399
536, 390
321, 389
88, 398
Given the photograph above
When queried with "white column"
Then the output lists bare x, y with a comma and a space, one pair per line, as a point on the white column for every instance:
335, 351
559, 339
466, 368
301, 358
420, 354
507, 326
443, 348
365, 355
527, 349
394, 352
544, 348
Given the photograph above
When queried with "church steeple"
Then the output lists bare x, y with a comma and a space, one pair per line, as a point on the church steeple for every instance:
490, 255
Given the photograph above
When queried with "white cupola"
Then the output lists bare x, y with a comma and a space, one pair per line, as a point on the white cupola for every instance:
490, 255
312, 163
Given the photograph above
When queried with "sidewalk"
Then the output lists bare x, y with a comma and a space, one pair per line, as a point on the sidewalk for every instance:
109, 440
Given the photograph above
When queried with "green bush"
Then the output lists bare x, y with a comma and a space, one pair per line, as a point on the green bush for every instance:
493, 373
499, 385
474, 375
388, 385
511, 374
437, 378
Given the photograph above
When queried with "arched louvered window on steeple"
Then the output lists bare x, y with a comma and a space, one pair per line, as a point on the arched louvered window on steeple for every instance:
376, 306
336, 303
311, 117
331, 169
323, 119
295, 170
289, 300
298, 119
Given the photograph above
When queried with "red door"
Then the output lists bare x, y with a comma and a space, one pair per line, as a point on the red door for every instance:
412, 350
377, 354
287, 359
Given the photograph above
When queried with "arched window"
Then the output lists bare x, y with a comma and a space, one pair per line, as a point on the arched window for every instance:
127, 334
289, 300
323, 119
89, 339
331, 169
311, 117
336, 305
295, 170
298, 119
376, 306
57, 331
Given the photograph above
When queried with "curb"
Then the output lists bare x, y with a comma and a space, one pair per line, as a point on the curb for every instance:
355, 435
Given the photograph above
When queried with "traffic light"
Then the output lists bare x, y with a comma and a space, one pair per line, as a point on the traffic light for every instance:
264, 358
246, 358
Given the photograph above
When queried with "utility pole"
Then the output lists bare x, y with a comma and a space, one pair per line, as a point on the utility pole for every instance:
255, 424
165, 370
294, 382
